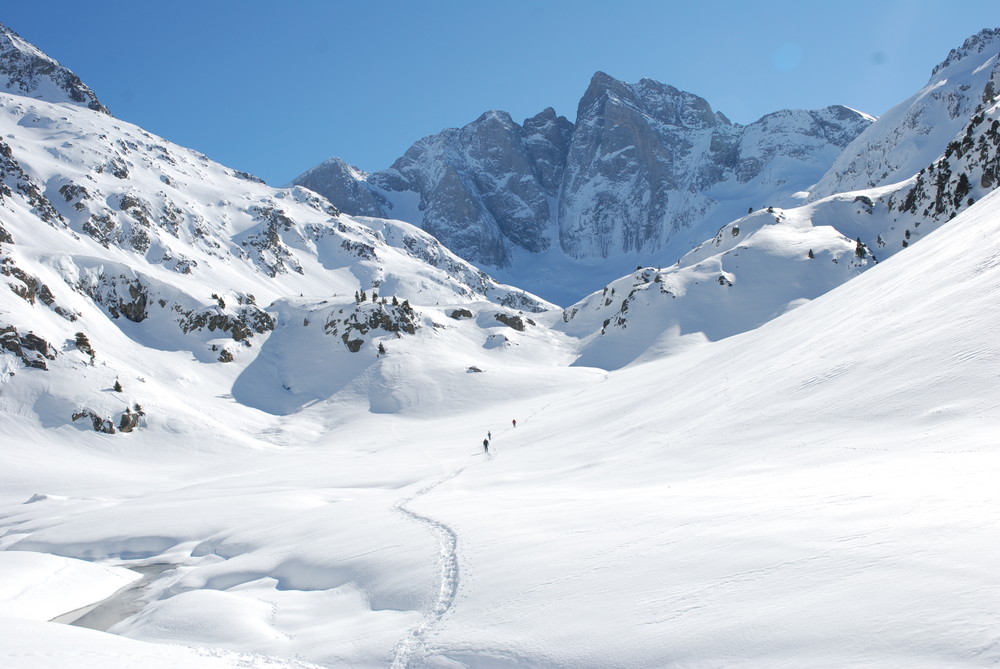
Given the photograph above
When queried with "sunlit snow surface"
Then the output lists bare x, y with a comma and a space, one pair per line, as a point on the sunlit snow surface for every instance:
689, 484
818, 492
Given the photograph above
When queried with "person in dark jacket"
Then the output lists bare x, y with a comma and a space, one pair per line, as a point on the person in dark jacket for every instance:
486, 445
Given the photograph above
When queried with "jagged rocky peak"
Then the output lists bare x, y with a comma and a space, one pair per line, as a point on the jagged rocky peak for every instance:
345, 184
547, 137
661, 156
985, 40
556, 129
484, 186
664, 102
25, 70
835, 126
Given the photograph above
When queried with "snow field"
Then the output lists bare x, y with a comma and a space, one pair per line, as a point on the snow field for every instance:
816, 492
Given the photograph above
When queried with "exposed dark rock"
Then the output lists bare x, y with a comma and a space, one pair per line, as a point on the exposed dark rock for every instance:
100, 423
75, 193
83, 345
30, 349
11, 171
269, 252
27, 287
515, 322
246, 176
941, 190
396, 319
241, 326
129, 421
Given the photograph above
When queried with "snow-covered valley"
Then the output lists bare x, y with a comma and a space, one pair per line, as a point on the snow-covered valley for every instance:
241, 429
818, 492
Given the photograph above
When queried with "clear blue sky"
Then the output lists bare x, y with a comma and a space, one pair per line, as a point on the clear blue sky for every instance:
274, 88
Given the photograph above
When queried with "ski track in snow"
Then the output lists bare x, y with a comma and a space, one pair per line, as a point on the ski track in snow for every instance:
447, 561
447, 567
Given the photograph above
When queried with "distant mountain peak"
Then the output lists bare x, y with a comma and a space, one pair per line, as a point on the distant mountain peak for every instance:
643, 173
663, 101
496, 116
26, 70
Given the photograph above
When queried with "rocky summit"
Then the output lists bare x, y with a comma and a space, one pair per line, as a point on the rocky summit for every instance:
645, 173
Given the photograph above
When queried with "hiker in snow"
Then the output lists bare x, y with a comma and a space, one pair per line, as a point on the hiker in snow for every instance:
486, 445
489, 435
514, 422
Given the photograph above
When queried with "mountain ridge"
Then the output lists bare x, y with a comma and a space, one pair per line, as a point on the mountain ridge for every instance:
628, 182
25, 70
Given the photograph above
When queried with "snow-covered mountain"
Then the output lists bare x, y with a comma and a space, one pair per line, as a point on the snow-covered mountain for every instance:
255, 423
774, 260
115, 243
818, 492
771, 261
913, 133
645, 173
24, 70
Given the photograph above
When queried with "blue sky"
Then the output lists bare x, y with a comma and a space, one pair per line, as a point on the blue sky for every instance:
274, 88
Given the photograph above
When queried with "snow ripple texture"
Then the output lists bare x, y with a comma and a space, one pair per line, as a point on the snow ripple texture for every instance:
447, 568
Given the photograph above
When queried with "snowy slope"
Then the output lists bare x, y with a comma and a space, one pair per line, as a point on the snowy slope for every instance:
775, 453
116, 246
914, 132
817, 492
25, 70
768, 262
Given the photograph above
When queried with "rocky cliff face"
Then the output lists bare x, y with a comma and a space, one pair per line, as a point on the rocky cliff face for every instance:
24, 70
642, 163
648, 161
482, 189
